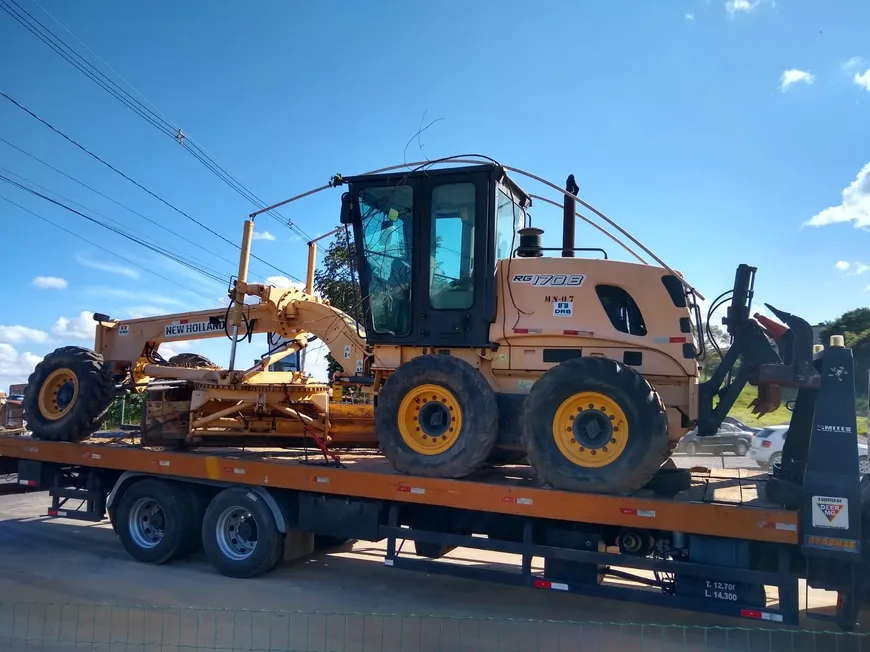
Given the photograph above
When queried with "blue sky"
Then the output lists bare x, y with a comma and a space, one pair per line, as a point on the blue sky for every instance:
717, 132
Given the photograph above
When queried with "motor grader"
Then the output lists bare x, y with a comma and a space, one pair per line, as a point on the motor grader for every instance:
474, 345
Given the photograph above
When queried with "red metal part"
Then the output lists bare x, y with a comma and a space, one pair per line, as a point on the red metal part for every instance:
774, 329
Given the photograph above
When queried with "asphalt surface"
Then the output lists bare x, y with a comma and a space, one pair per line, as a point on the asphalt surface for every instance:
49, 568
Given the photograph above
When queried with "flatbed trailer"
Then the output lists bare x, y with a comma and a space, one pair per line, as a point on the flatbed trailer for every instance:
725, 543
714, 547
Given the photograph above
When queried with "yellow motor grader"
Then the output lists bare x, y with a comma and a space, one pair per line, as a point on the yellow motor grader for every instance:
474, 346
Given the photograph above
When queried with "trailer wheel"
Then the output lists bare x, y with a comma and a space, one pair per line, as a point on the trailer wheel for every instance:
156, 522
190, 360
594, 424
436, 416
68, 394
239, 534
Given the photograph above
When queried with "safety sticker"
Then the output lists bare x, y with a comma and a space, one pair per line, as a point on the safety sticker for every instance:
347, 351
563, 308
123, 329
831, 512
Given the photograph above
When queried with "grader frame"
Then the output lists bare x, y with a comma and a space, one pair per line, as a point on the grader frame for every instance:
586, 368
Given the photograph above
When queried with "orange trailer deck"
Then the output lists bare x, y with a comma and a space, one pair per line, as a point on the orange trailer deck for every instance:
721, 503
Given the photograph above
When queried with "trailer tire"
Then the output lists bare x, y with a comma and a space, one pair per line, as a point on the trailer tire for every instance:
68, 395
594, 424
239, 534
460, 412
155, 521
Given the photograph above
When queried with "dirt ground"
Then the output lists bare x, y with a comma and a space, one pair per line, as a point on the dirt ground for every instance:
52, 571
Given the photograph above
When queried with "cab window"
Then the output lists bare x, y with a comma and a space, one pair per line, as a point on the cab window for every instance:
451, 259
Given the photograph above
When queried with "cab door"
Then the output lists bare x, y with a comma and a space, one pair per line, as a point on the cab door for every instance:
456, 261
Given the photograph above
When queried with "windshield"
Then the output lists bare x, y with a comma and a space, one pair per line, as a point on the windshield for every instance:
510, 218
387, 217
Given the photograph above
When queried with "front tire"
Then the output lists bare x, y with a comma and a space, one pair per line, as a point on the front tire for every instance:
239, 534
593, 424
68, 395
436, 416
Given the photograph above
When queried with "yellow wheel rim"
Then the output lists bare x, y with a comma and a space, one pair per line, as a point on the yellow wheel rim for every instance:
430, 419
590, 429
58, 393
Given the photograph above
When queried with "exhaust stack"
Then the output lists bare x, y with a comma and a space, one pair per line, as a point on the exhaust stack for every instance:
568, 219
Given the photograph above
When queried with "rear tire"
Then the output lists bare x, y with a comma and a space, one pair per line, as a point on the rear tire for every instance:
740, 449
68, 395
190, 360
239, 534
436, 416
594, 424
156, 521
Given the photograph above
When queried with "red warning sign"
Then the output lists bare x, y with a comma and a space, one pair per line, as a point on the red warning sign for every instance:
831, 511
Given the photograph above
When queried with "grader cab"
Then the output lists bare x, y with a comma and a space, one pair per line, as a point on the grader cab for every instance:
475, 346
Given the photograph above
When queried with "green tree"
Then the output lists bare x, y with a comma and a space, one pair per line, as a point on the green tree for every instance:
132, 410
338, 281
854, 326
712, 358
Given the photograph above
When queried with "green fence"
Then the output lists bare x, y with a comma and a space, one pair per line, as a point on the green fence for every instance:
26, 627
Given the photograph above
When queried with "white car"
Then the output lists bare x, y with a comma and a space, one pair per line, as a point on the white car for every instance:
767, 446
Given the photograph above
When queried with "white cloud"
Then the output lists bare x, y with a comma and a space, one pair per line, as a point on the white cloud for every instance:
284, 282
50, 283
263, 235
17, 334
136, 296
852, 62
854, 207
856, 268
167, 352
110, 268
863, 79
15, 367
690, 16
795, 76
741, 6
138, 312
79, 328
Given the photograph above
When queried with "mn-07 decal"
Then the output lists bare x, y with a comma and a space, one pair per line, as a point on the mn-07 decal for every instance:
550, 280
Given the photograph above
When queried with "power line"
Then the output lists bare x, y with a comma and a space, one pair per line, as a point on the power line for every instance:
116, 230
141, 236
138, 185
151, 115
26, 20
108, 251
114, 201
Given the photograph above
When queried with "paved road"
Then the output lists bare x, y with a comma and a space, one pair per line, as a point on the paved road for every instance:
726, 461
59, 561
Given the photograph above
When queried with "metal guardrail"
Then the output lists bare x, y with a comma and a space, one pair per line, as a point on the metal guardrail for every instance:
30, 626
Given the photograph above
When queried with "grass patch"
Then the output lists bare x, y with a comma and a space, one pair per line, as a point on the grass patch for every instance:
742, 411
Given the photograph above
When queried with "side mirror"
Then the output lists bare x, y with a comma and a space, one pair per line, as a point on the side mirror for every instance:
346, 209
789, 405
